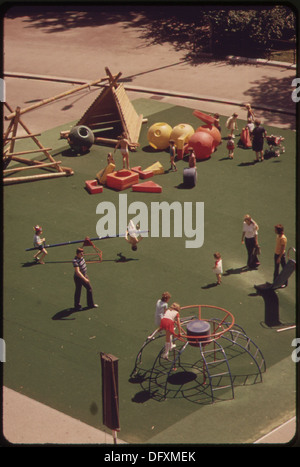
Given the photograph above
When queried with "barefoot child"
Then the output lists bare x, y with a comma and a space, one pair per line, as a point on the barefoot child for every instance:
230, 147
133, 236
218, 267
124, 144
38, 242
231, 124
172, 154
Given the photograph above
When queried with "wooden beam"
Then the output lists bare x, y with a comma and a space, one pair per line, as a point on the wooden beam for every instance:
32, 178
58, 96
27, 152
34, 166
24, 136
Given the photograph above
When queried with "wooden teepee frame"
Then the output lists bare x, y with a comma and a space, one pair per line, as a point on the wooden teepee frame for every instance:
9, 139
111, 107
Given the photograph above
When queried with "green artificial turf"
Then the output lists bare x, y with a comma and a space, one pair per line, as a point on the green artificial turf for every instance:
53, 354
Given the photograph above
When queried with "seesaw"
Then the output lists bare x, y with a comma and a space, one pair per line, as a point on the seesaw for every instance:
87, 241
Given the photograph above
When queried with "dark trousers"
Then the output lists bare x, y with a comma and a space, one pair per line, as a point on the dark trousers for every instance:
89, 292
276, 265
252, 261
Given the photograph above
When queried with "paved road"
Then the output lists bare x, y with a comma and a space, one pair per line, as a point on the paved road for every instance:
40, 46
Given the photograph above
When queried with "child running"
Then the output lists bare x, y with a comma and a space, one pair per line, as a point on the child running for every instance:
38, 242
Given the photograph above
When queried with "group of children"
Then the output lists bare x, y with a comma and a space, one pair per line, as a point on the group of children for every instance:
231, 125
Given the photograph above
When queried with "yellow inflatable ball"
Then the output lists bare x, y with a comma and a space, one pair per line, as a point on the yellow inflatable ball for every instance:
159, 135
181, 134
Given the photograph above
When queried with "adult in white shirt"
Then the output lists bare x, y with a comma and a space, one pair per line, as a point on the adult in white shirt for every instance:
249, 237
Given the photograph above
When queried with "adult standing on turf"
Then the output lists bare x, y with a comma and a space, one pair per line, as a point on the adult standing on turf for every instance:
249, 237
258, 134
279, 255
81, 279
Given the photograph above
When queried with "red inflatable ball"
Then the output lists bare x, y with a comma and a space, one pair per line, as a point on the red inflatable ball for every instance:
213, 131
203, 145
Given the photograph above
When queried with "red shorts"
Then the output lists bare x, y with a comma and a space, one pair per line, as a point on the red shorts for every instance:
167, 324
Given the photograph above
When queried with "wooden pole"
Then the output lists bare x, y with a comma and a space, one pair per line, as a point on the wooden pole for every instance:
14, 130
33, 166
100, 140
54, 98
47, 154
32, 178
24, 136
27, 152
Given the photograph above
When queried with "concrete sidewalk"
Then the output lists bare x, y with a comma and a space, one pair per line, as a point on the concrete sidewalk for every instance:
154, 71
47, 425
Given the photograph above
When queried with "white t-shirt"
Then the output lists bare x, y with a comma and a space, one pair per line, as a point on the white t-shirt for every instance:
161, 307
218, 269
250, 230
170, 314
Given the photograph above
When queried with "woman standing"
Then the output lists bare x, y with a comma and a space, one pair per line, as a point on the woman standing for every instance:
249, 237
258, 134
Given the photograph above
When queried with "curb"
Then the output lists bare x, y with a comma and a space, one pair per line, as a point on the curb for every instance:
260, 61
155, 91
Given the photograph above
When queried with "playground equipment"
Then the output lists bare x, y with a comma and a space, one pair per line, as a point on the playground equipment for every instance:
93, 187
181, 134
10, 136
147, 187
212, 131
87, 242
245, 140
190, 177
102, 174
159, 135
202, 144
53, 168
112, 114
122, 179
212, 355
142, 173
81, 138
156, 168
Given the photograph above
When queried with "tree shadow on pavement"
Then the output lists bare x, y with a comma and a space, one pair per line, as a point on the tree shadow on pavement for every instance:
270, 92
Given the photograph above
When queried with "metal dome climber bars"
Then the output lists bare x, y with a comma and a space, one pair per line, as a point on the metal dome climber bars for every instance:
212, 355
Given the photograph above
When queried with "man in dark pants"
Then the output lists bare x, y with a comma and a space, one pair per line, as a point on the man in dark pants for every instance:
81, 279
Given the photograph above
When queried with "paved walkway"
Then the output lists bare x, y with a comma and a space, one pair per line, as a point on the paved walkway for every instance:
52, 46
